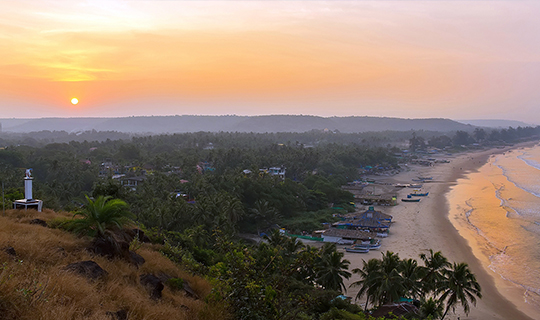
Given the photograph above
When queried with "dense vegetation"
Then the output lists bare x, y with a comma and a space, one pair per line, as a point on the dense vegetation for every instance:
436, 283
202, 191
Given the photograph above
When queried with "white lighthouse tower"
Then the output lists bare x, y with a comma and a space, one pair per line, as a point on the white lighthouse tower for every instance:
28, 201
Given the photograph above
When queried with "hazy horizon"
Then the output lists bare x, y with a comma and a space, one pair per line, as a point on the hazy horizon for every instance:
263, 115
403, 59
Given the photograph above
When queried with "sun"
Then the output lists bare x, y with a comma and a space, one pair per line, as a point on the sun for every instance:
74, 101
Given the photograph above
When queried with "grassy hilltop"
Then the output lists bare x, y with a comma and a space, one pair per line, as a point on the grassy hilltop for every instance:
34, 282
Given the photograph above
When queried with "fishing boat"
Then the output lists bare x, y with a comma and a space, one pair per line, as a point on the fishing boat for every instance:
423, 179
415, 186
372, 244
410, 200
357, 249
416, 194
375, 246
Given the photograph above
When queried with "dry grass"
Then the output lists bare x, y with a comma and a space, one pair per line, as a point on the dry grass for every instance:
34, 284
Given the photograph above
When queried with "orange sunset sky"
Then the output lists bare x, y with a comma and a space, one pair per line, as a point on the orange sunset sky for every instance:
418, 59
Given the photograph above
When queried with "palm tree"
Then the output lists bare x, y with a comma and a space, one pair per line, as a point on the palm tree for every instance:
391, 286
381, 280
434, 264
368, 283
459, 286
233, 209
332, 268
101, 215
430, 308
264, 214
411, 274
303, 265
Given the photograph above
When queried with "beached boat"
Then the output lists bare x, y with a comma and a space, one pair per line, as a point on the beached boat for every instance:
372, 244
416, 194
410, 200
423, 179
375, 246
357, 250
415, 186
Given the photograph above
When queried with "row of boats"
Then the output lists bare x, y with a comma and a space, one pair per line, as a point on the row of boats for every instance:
416, 194
364, 246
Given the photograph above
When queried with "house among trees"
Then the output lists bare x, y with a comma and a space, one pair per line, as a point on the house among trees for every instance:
107, 169
133, 182
274, 171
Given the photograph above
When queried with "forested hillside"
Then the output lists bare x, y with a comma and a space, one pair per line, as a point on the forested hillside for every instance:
257, 124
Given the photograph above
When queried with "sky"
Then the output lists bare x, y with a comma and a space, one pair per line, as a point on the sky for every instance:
412, 59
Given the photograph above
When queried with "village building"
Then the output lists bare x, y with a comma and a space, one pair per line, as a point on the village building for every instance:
345, 236
371, 220
274, 171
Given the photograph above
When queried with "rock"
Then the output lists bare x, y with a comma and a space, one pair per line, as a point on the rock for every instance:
40, 222
152, 284
88, 269
184, 285
189, 291
136, 259
10, 251
142, 236
131, 234
110, 247
164, 277
118, 315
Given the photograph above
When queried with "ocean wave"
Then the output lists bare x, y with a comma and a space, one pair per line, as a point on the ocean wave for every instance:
503, 260
507, 173
479, 231
505, 203
530, 162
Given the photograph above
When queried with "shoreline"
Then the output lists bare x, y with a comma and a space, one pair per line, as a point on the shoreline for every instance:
419, 227
496, 305
509, 292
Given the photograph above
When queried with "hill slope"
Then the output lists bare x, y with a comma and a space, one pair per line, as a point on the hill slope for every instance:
258, 124
496, 123
35, 284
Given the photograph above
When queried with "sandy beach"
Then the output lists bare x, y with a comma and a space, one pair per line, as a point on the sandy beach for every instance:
419, 227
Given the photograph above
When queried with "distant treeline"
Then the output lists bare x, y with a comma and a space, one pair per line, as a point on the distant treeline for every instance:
316, 164
65, 171
478, 136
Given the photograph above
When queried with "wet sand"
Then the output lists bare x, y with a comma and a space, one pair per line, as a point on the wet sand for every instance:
419, 227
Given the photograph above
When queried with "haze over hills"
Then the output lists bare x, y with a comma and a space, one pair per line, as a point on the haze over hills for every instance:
257, 124
496, 123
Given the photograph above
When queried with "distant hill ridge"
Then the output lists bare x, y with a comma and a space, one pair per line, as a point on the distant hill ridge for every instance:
257, 124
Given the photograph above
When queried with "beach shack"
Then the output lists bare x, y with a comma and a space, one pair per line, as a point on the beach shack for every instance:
372, 220
344, 236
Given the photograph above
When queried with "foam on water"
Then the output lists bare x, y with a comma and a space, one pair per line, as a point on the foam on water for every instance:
519, 262
520, 178
502, 205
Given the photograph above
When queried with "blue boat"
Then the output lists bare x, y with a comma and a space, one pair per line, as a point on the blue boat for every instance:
410, 200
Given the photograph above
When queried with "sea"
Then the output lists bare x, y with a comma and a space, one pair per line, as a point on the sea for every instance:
497, 208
